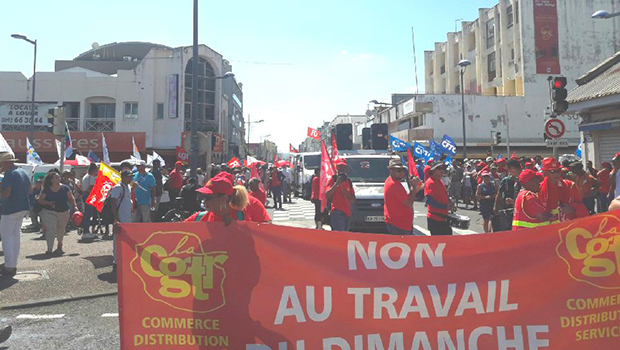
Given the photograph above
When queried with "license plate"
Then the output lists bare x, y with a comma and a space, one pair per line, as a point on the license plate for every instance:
375, 218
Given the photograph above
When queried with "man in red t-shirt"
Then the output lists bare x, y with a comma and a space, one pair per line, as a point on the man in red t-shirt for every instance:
340, 191
256, 191
437, 201
175, 181
398, 207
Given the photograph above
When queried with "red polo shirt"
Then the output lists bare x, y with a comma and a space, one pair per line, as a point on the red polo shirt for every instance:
256, 211
339, 202
395, 211
175, 180
260, 195
437, 190
604, 177
316, 188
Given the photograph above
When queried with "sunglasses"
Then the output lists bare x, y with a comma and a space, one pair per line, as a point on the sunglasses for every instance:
399, 170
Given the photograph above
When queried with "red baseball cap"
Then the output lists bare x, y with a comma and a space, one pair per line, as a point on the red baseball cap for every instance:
528, 174
550, 164
221, 183
178, 163
341, 161
501, 160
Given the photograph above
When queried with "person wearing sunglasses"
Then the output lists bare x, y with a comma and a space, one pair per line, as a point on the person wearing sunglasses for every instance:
398, 207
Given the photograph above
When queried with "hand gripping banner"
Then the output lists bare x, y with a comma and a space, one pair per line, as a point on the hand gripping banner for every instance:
266, 287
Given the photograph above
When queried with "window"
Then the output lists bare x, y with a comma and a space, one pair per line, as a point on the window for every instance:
103, 110
131, 110
516, 13
490, 33
491, 66
205, 85
443, 69
509, 16
160, 111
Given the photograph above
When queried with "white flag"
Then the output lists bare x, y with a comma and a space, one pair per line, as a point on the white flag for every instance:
4, 146
106, 155
32, 157
58, 148
161, 160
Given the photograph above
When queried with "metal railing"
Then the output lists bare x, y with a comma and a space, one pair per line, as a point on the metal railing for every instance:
99, 124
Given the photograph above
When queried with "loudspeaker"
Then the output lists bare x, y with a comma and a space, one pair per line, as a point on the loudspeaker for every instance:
366, 138
379, 136
344, 136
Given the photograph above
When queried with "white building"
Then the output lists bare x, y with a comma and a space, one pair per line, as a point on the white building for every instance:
131, 89
513, 47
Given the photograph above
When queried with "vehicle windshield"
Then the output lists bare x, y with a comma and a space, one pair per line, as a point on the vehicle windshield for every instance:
368, 169
312, 162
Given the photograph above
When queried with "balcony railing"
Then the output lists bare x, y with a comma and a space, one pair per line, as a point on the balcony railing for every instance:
98, 124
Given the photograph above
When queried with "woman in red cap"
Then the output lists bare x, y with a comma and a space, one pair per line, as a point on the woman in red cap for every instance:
225, 202
529, 210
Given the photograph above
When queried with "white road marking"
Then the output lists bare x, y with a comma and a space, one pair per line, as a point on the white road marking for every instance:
110, 315
38, 317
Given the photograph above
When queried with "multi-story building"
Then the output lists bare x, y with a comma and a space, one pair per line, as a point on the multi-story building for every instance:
123, 90
513, 48
235, 123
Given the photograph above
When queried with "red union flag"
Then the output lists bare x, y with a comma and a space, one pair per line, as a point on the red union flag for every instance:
234, 163
327, 171
204, 285
292, 149
314, 134
182, 155
106, 179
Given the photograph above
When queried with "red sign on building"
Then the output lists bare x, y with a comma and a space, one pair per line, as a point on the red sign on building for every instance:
546, 37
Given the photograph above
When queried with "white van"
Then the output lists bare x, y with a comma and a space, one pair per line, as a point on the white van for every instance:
305, 163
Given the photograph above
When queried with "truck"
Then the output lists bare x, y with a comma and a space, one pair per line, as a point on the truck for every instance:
305, 164
368, 173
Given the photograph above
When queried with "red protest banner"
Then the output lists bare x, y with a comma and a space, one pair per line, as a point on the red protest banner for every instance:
546, 37
106, 179
204, 285
314, 134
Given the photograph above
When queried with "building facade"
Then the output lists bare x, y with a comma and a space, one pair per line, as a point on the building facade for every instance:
124, 88
513, 48
235, 123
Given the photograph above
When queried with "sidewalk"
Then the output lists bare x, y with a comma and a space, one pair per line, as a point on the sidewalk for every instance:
84, 269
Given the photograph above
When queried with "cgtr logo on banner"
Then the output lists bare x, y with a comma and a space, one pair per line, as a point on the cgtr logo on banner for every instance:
175, 270
593, 255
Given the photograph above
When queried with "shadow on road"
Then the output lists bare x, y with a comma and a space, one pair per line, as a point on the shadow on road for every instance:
100, 261
6, 282
109, 277
44, 256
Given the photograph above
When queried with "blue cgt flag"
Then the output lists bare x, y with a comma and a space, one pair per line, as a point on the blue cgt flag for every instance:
448, 145
579, 148
398, 145
419, 151
436, 148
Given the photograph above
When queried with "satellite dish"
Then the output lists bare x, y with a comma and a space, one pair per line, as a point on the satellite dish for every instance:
95, 45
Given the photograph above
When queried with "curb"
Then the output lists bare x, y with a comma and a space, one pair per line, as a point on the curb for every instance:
52, 301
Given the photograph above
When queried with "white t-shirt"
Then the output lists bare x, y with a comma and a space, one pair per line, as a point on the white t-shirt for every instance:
125, 207
88, 181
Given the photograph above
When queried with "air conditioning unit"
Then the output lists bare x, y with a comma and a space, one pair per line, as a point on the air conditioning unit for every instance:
127, 58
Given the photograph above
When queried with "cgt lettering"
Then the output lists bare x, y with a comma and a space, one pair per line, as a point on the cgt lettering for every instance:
181, 271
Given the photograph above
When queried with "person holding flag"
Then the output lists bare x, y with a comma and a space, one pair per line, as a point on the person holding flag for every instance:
340, 191
398, 208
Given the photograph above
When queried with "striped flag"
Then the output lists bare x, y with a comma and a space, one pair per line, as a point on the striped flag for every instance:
136, 151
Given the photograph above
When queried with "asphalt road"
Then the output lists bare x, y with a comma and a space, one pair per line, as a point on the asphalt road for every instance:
84, 324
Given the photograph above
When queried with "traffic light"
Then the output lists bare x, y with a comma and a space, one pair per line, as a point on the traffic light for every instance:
498, 138
57, 121
558, 95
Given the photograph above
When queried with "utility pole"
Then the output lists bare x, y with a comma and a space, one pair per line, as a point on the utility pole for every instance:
193, 156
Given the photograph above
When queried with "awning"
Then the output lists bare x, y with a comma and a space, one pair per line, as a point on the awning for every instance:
598, 126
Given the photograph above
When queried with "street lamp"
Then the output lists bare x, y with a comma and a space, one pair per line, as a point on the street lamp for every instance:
34, 73
249, 125
602, 14
463, 64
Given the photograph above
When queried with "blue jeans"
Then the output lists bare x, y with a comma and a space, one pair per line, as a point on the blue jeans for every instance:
393, 230
340, 221
277, 196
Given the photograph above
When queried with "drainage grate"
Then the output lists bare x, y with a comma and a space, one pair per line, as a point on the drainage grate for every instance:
27, 276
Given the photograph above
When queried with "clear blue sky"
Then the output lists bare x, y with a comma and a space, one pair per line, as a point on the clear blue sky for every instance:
324, 57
